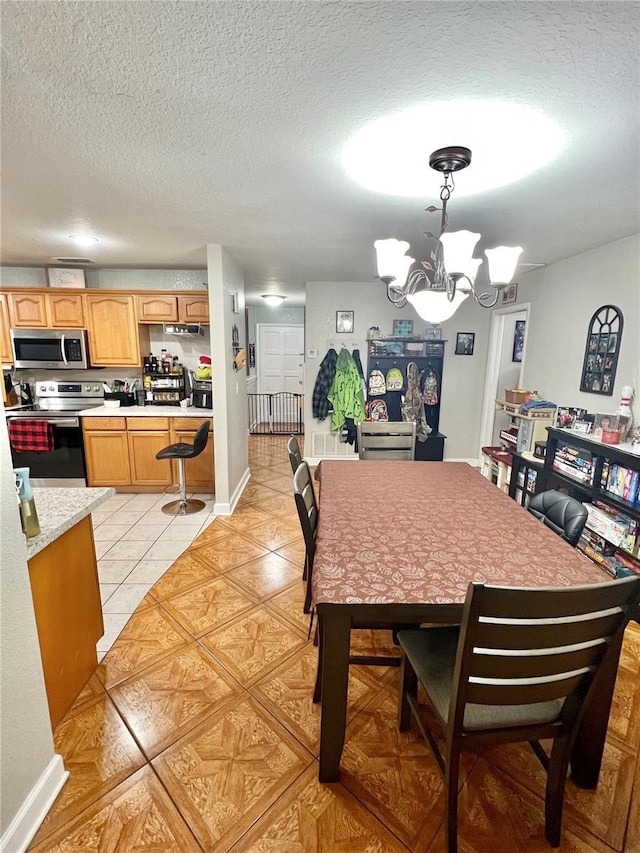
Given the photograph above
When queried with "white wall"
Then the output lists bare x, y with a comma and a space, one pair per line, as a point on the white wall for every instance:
463, 376
112, 279
563, 298
26, 742
230, 387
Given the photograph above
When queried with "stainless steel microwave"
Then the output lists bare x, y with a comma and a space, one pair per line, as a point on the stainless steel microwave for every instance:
57, 349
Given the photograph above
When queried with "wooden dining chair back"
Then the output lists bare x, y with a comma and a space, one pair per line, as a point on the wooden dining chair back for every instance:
307, 507
386, 440
295, 456
523, 666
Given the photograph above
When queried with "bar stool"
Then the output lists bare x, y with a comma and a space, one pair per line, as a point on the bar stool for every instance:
182, 451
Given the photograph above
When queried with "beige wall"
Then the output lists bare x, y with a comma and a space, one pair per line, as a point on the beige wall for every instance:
112, 279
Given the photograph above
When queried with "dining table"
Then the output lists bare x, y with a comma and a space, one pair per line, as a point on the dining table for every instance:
398, 543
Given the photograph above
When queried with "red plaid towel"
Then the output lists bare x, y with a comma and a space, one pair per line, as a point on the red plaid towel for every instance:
30, 435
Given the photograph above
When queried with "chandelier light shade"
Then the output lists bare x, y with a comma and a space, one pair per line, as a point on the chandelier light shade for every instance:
438, 285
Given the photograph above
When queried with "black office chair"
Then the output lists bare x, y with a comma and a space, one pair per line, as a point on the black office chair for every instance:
295, 456
563, 514
522, 666
182, 451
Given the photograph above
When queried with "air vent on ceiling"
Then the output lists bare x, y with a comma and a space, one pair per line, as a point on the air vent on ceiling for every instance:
76, 262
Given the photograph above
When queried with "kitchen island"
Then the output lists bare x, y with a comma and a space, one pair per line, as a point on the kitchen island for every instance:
66, 595
121, 445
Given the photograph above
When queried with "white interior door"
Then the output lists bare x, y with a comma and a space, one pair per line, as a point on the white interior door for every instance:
280, 359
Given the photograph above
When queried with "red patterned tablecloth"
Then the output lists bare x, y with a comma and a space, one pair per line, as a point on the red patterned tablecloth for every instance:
419, 532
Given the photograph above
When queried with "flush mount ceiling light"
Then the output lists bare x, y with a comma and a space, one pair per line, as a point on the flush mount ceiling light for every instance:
273, 299
83, 239
437, 286
79, 262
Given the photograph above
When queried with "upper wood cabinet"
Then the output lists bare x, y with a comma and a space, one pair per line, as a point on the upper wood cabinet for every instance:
65, 310
28, 310
46, 310
113, 330
6, 355
193, 308
155, 308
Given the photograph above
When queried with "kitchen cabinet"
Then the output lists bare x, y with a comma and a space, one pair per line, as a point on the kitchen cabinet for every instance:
28, 310
121, 452
46, 310
106, 451
6, 355
146, 437
199, 471
156, 308
193, 308
113, 330
66, 601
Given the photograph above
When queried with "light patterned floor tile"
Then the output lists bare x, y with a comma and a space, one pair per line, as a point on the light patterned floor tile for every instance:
227, 772
228, 553
244, 519
280, 506
275, 533
136, 815
149, 635
213, 533
211, 604
295, 553
265, 576
394, 774
254, 644
289, 603
99, 753
255, 493
311, 817
166, 700
185, 572
288, 693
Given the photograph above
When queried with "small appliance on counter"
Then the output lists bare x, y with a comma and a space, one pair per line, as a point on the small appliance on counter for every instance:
202, 393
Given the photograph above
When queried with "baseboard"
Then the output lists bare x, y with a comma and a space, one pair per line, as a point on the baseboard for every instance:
228, 508
475, 463
34, 809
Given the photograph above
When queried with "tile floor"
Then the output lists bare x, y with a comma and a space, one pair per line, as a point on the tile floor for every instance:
135, 545
198, 732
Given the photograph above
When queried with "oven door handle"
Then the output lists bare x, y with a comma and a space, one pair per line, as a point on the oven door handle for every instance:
64, 355
64, 422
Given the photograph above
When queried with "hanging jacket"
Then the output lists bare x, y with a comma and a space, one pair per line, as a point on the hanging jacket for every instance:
346, 395
413, 404
324, 381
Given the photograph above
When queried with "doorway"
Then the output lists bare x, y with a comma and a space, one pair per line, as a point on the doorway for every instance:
505, 366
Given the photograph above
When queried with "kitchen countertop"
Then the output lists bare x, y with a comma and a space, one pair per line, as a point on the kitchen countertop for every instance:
146, 412
59, 509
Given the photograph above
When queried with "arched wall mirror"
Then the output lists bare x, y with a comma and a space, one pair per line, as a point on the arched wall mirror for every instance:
601, 351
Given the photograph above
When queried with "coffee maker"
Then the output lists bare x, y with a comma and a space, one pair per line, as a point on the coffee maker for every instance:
202, 393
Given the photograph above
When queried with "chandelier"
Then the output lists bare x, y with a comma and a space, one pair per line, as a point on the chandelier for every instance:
436, 287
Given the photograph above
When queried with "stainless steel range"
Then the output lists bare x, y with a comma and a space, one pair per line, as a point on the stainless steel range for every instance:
59, 457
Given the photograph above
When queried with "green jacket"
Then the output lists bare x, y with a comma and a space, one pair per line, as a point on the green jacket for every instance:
346, 395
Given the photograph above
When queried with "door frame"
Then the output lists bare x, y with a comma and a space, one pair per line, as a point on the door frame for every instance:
497, 344
259, 326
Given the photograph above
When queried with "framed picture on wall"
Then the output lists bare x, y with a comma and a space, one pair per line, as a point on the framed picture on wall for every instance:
344, 322
465, 342
518, 340
510, 294
402, 328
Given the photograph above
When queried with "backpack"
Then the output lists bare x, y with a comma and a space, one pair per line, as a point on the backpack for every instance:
377, 385
429, 385
394, 379
376, 410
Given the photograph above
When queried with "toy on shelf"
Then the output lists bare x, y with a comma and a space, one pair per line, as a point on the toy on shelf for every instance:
203, 368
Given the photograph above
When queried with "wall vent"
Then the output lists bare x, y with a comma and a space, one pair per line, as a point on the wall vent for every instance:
327, 445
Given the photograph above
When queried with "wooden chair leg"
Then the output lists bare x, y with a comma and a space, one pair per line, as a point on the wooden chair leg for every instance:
452, 772
554, 795
408, 686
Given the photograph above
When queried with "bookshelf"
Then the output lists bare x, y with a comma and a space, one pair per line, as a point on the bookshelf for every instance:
606, 478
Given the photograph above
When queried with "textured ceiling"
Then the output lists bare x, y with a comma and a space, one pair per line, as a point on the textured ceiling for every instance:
162, 126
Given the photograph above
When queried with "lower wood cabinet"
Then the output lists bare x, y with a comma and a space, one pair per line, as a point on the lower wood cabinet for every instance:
121, 452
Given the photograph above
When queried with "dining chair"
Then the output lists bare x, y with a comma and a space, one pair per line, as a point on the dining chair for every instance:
565, 515
295, 456
386, 440
307, 507
523, 666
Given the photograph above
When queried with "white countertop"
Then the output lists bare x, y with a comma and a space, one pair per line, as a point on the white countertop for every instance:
59, 509
146, 412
